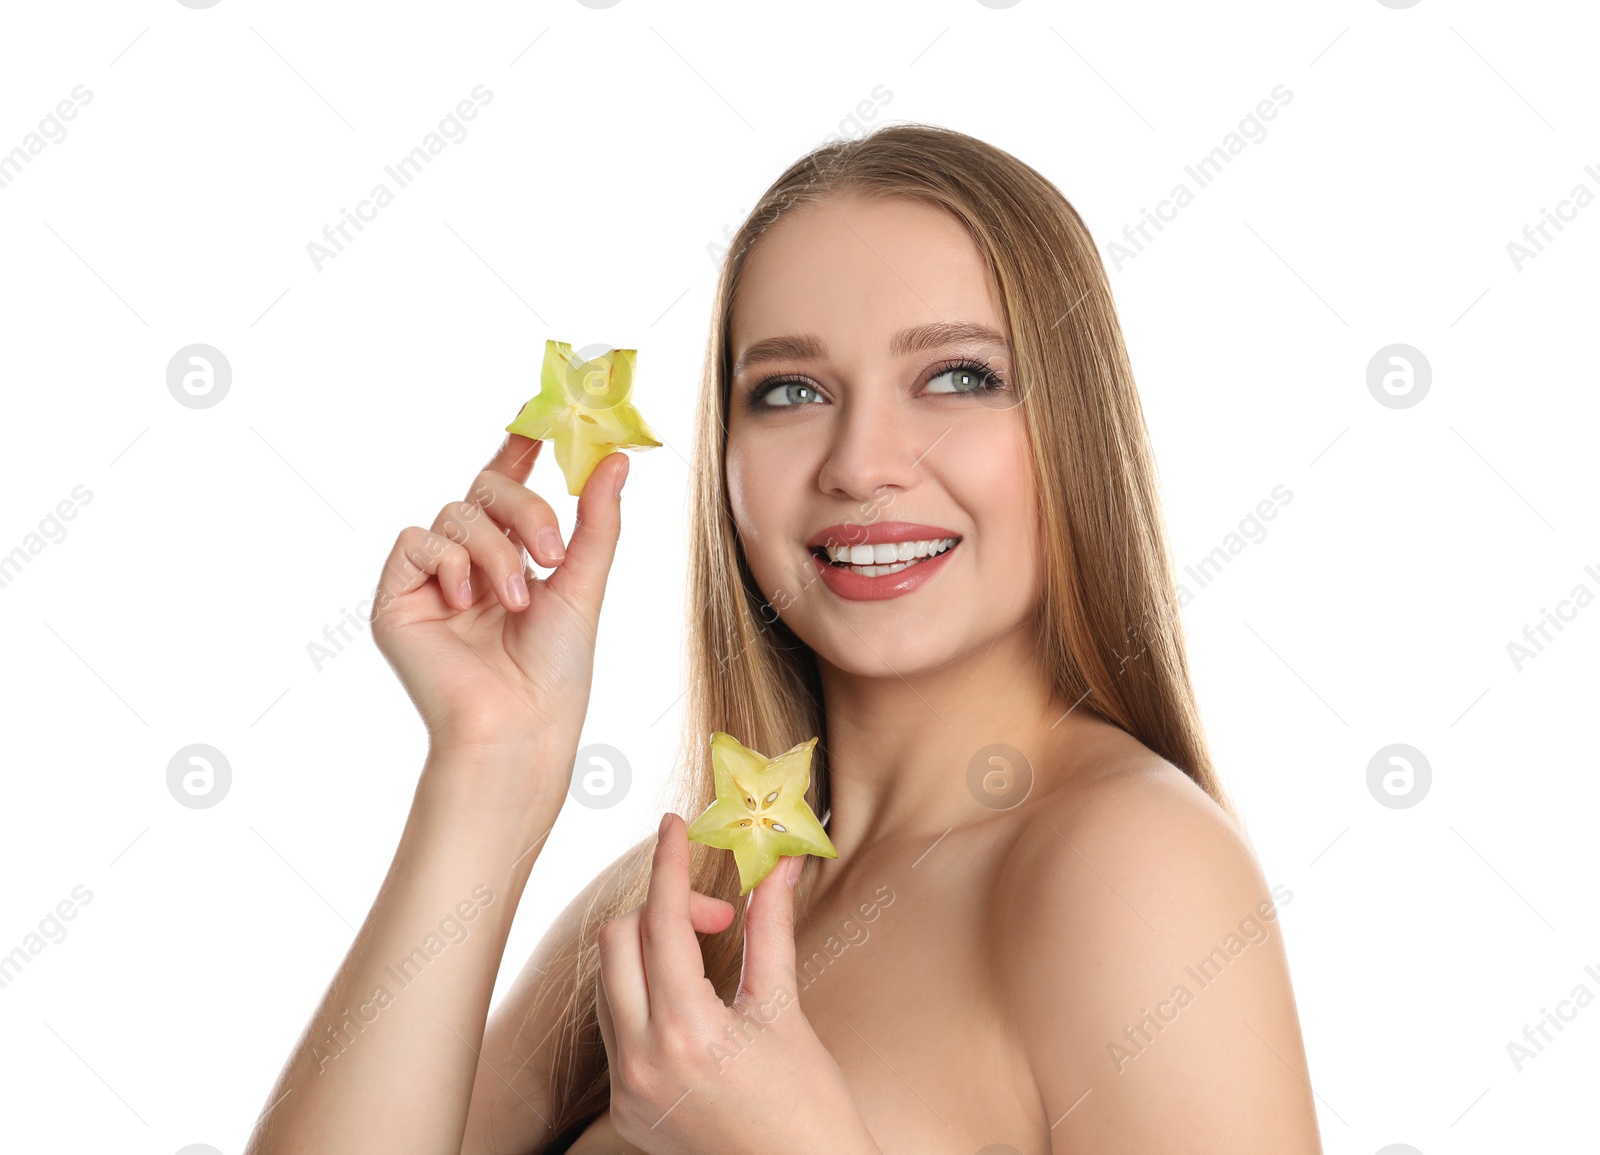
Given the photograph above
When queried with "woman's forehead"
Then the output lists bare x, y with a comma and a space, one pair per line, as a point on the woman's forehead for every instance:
857, 268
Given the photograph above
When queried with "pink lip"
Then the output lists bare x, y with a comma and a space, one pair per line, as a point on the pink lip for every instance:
883, 531
860, 588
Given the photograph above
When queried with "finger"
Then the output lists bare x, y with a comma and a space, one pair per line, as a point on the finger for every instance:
495, 563
608, 1027
769, 953
673, 965
709, 915
513, 506
622, 970
581, 578
417, 555
515, 457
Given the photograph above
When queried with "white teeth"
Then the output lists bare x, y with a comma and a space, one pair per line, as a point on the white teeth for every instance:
887, 557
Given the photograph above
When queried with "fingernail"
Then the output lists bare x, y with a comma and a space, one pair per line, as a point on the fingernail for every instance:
466, 592
549, 543
795, 865
517, 589
661, 831
622, 476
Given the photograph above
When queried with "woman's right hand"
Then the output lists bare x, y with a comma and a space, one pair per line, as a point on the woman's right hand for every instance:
494, 658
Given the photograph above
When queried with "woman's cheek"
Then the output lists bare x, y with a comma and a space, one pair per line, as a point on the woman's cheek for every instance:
1008, 495
750, 520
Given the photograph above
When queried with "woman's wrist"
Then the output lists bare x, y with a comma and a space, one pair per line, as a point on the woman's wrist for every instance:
479, 792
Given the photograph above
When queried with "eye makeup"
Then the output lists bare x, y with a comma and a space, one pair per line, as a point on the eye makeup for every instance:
988, 382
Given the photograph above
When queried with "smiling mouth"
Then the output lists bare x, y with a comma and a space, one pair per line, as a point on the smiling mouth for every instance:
885, 558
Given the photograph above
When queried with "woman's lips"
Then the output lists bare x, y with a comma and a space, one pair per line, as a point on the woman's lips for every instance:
853, 533
860, 588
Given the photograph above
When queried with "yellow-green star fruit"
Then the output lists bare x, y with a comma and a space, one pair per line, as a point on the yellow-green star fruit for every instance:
586, 408
760, 813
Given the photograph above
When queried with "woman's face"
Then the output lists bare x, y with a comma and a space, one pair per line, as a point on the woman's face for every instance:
846, 411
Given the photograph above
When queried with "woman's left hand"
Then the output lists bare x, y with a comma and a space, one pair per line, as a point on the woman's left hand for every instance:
691, 1075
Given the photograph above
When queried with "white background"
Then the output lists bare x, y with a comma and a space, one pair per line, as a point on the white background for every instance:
620, 144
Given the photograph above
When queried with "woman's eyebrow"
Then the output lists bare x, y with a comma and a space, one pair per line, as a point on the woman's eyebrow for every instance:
916, 339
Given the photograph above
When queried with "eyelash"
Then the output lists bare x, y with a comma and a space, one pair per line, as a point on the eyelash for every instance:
992, 382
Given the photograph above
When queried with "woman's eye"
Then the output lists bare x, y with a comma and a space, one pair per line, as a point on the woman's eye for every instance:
789, 393
961, 381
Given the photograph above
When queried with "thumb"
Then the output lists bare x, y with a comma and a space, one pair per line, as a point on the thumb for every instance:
769, 951
581, 575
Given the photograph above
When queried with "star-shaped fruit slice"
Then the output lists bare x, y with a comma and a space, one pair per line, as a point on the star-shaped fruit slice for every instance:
760, 813
586, 408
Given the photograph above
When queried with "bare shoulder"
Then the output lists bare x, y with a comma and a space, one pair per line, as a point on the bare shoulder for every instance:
1138, 944
511, 1093
1140, 815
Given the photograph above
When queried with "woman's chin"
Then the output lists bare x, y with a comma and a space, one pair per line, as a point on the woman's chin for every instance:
865, 653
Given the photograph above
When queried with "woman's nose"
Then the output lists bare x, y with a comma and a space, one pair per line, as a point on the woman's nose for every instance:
875, 447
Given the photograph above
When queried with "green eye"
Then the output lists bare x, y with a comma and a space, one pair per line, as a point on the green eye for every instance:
792, 393
965, 378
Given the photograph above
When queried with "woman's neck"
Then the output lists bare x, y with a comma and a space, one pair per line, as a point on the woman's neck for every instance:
902, 748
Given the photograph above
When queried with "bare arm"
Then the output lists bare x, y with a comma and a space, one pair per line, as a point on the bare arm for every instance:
498, 663
387, 1062
512, 1095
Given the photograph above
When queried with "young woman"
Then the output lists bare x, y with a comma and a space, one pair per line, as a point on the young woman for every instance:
1044, 930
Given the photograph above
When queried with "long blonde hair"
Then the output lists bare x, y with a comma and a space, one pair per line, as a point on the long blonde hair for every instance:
1108, 628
